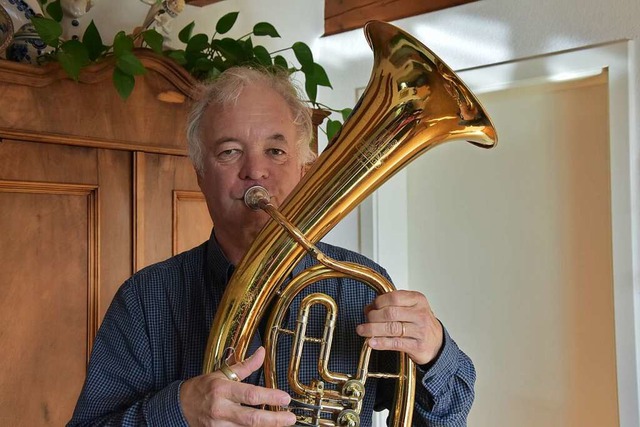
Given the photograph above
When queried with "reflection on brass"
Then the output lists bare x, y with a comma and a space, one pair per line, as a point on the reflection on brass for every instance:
413, 102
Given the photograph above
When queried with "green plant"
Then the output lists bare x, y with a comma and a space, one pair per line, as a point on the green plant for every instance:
203, 57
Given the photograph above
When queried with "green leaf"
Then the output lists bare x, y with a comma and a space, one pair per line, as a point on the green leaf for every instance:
123, 82
311, 88
303, 55
203, 65
154, 39
129, 64
177, 55
198, 43
320, 75
281, 62
54, 10
230, 49
122, 44
262, 54
265, 29
333, 127
72, 56
247, 47
48, 30
185, 34
93, 42
226, 22
192, 58
346, 112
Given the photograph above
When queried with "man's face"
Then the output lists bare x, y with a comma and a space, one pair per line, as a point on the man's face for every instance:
251, 142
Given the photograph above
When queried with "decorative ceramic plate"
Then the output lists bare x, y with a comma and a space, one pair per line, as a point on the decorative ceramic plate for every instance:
21, 11
6, 29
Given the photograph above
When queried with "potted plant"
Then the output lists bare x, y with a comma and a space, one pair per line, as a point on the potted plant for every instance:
203, 56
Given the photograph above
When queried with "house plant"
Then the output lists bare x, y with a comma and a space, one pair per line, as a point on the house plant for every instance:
203, 56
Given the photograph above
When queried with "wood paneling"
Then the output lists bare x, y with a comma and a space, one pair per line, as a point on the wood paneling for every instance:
345, 15
165, 221
55, 251
191, 220
44, 352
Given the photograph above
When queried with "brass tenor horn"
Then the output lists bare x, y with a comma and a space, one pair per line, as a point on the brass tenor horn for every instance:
413, 102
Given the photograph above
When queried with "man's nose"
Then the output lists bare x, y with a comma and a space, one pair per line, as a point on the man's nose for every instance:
254, 167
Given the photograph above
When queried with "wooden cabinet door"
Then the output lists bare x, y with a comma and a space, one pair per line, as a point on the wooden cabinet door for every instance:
171, 212
65, 247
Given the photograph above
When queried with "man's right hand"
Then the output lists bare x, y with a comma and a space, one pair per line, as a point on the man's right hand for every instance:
214, 400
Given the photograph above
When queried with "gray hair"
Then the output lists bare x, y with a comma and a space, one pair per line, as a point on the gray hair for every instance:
226, 89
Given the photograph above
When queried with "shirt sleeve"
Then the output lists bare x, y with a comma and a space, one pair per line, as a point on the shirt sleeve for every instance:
444, 389
119, 388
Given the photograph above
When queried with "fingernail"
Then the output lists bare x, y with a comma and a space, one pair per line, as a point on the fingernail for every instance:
373, 342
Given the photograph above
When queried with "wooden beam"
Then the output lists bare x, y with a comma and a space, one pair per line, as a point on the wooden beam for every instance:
345, 15
201, 3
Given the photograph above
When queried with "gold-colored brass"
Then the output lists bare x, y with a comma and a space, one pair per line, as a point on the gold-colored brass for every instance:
413, 102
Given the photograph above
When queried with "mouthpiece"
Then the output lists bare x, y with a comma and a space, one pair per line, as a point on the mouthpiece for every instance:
255, 195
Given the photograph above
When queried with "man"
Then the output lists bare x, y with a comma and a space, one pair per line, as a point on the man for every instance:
249, 128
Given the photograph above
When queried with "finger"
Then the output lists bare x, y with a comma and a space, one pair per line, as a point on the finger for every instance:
398, 297
249, 394
387, 329
397, 313
249, 365
255, 417
409, 346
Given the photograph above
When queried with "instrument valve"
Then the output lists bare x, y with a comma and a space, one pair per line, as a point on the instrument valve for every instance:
348, 418
353, 389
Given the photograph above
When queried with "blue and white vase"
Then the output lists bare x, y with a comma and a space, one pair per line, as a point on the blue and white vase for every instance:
27, 45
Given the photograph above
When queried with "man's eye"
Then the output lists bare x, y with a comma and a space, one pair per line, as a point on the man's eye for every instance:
276, 152
231, 152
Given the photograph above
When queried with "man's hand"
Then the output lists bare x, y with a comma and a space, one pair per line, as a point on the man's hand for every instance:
214, 400
403, 321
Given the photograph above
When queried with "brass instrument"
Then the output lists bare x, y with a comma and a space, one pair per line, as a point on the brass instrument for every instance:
413, 102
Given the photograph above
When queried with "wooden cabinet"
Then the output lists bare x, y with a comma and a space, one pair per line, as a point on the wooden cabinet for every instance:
92, 188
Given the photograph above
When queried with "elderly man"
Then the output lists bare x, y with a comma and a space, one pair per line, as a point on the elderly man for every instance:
249, 128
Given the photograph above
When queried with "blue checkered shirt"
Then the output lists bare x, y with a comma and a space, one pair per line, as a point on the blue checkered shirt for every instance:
154, 334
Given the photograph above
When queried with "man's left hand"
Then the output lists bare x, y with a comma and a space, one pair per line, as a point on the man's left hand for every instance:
403, 321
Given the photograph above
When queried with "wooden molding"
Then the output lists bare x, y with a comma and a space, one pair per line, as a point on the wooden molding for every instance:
317, 117
178, 197
139, 166
94, 142
345, 15
47, 106
201, 3
93, 238
41, 76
